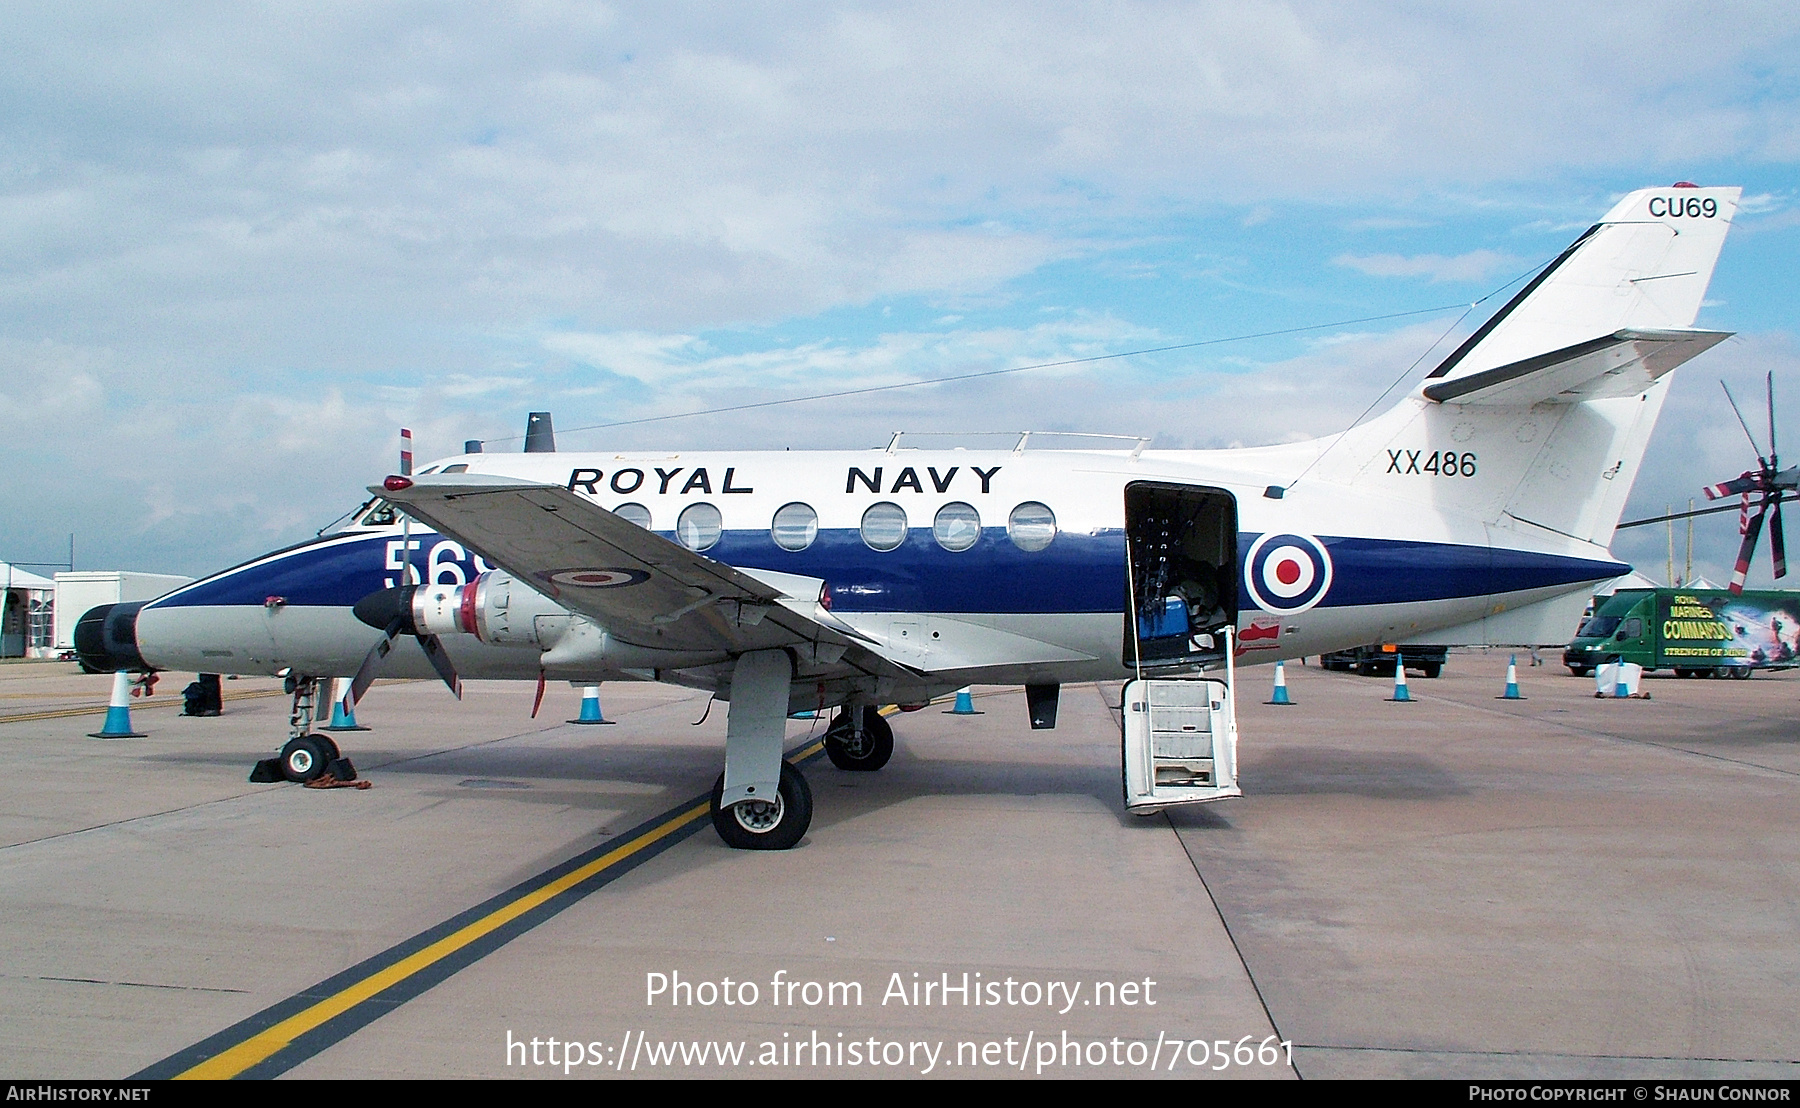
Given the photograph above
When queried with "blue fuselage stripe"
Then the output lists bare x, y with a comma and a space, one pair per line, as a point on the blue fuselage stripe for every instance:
1076, 573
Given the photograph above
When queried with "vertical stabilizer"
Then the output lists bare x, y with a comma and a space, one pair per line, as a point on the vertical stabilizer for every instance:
1538, 423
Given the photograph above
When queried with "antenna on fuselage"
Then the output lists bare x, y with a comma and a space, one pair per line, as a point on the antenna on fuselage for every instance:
539, 437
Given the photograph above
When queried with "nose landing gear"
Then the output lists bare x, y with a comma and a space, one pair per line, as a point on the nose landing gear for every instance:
307, 756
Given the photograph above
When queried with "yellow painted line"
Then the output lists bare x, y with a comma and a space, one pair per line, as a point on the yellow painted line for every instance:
136, 705
235, 1060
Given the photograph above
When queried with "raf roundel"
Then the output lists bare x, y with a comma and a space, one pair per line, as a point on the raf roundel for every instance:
1287, 573
599, 578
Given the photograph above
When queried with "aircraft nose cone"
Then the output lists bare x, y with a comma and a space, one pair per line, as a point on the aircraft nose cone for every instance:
106, 638
381, 608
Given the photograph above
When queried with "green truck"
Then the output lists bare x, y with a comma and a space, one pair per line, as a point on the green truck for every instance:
1696, 633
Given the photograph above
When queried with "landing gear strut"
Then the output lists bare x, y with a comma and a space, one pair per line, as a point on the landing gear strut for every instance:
859, 739
307, 755
760, 802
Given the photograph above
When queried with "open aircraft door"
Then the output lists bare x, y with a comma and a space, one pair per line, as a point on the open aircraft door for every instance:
1179, 714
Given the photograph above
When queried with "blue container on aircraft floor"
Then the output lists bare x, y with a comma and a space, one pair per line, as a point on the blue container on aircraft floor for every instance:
1171, 622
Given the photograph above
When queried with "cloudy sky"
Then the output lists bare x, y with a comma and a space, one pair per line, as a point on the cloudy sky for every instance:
240, 246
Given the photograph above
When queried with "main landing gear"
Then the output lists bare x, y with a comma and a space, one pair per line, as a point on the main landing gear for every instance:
859, 739
761, 802
307, 755
772, 823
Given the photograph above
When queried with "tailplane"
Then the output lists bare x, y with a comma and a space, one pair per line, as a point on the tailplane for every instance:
1643, 268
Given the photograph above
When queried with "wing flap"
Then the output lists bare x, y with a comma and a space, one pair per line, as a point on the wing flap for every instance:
1623, 363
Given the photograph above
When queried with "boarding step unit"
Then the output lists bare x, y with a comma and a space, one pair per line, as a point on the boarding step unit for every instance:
1180, 741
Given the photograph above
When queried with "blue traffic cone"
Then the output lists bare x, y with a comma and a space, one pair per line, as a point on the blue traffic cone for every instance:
1401, 696
1621, 687
1512, 679
1281, 694
590, 706
343, 711
118, 712
965, 704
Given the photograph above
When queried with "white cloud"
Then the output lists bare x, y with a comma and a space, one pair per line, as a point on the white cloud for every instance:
1476, 265
240, 245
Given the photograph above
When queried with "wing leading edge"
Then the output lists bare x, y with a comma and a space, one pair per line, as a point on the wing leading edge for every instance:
644, 589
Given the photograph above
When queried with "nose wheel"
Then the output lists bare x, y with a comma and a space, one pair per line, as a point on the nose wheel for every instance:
306, 757
776, 823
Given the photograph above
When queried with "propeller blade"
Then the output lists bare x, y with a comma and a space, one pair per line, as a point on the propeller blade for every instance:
365, 673
1778, 541
538, 701
440, 661
1742, 570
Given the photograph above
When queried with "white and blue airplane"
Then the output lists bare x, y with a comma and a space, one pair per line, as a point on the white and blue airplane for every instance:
1478, 510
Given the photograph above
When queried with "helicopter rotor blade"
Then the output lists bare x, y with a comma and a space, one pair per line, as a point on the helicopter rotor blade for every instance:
1771, 382
1740, 418
1742, 569
1743, 483
1778, 541
1630, 523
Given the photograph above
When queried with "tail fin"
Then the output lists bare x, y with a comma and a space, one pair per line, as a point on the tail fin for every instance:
1552, 401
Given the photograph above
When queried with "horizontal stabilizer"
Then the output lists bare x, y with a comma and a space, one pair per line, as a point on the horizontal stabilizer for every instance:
1644, 267
1623, 363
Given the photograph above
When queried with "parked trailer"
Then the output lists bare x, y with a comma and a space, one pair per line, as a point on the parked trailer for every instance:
1695, 633
81, 590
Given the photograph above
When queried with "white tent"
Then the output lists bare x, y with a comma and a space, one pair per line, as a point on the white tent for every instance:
26, 605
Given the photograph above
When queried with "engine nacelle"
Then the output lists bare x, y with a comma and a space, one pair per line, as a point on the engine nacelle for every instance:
501, 610
496, 608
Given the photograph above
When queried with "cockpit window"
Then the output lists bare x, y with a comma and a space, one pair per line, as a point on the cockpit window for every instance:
381, 515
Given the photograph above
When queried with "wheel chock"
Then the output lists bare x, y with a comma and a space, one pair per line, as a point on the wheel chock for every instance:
267, 772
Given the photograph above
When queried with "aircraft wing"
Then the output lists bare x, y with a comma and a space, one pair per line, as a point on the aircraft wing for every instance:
1623, 363
641, 587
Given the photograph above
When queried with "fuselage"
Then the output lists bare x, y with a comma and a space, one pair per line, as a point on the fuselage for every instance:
970, 566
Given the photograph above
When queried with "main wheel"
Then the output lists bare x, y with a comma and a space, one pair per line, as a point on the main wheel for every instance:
765, 824
304, 758
868, 749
